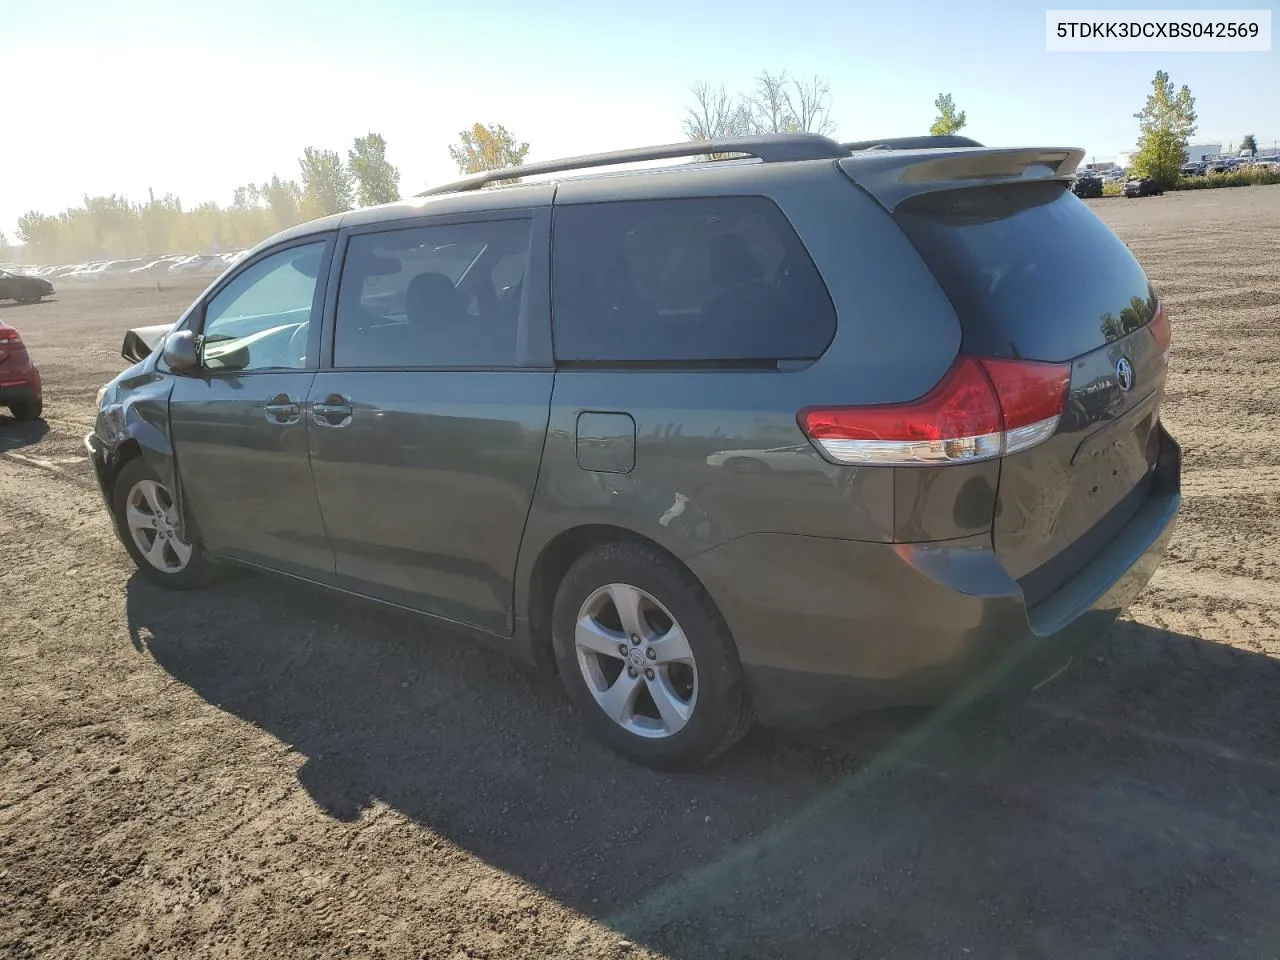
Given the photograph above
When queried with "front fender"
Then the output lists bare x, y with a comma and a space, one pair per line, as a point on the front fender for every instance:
137, 420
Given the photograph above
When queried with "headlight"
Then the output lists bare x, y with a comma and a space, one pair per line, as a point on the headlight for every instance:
102, 392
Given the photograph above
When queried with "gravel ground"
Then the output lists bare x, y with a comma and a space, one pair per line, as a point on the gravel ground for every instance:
259, 770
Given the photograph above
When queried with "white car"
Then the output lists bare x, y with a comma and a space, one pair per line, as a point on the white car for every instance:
200, 263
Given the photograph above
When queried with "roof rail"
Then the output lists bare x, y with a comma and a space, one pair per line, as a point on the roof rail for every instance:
911, 143
769, 148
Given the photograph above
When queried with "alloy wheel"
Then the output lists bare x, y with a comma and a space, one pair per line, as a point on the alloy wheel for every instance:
152, 521
636, 661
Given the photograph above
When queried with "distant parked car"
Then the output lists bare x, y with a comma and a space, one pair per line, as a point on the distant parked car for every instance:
89, 271
1143, 187
199, 264
1194, 168
1222, 165
1087, 187
20, 389
14, 286
154, 267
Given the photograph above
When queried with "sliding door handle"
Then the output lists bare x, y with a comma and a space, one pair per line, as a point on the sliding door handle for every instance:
333, 411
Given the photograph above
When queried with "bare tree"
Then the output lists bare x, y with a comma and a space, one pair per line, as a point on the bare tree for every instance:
770, 105
779, 103
715, 114
810, 106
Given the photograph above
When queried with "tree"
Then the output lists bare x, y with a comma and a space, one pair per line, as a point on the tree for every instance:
284, 199
487, 147
4, 246
1166, 123
1249, 143
948, 121
783, 104
778, 103
326, 183
39, 234
716, 115
377, 181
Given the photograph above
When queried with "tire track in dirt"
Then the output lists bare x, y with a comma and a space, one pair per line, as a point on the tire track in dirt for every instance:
1174, 578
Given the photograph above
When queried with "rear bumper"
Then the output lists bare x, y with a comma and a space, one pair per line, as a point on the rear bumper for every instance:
828, 628
19, 387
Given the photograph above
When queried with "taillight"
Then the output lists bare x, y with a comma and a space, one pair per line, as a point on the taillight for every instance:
1161, 330
10, 339
983, 408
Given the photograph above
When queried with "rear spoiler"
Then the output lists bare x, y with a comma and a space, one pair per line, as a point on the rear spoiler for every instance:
911, 143
892, 176
141, 341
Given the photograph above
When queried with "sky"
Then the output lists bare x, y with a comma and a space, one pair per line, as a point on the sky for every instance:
195, 99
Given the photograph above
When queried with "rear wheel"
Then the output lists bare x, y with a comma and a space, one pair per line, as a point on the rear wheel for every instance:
647, 658
147, 518
29, 410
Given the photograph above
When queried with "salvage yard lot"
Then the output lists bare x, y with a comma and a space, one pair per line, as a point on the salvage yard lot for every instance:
257, 770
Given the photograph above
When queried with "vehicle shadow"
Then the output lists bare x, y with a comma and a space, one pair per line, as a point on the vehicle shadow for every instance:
1129, 810
16, 434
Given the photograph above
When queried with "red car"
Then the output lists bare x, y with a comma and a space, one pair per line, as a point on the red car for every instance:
19, 378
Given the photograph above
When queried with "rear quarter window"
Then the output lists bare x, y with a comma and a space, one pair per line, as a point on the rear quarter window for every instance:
688, 280
1032, 272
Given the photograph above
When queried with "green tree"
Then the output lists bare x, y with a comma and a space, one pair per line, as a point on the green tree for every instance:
948, 121
1249, 143
284, 199
1166, 123
377, 181
5, 249
487, 147
326, 183
39, 233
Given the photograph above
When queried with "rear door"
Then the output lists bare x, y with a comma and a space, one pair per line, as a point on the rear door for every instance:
1035, 275
428, 418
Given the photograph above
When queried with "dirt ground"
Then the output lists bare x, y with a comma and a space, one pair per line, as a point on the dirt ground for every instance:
259, 770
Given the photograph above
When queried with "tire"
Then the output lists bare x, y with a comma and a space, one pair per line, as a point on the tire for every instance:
701, 685
30, 410
184, 565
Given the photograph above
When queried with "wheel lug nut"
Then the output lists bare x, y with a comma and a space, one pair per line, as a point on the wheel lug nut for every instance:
622, 649
651, 653
631, 672
635, 641
648, 674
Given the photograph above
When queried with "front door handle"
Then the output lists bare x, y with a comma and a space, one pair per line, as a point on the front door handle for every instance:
282, 410
333, 411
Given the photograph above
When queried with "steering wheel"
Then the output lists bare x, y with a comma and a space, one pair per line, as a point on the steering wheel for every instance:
297, 348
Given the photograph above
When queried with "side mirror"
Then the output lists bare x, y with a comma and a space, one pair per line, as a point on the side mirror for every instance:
180, 353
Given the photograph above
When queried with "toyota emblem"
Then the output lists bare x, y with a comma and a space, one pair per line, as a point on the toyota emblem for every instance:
1124, 374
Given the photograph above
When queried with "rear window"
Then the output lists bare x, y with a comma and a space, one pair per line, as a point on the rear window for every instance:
687, 280
1030, 269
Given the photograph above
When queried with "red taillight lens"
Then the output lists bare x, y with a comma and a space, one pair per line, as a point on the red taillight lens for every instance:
10, 340
1162, 330
1032, 398
982, 408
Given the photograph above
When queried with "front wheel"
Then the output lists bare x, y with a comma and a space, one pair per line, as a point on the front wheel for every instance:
647, 658
147, 518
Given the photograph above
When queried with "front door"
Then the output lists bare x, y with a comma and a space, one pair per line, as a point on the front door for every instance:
238, 424
427, 431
